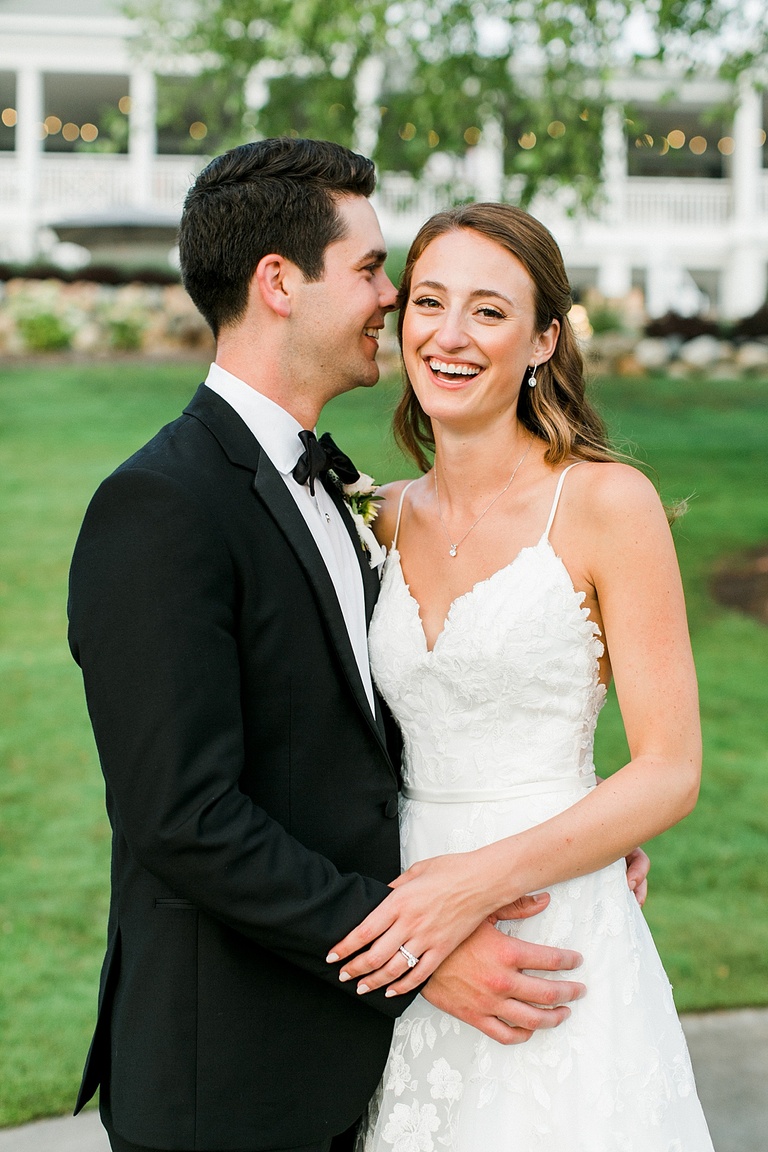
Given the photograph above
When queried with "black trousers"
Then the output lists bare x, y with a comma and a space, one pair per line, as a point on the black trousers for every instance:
344, 1142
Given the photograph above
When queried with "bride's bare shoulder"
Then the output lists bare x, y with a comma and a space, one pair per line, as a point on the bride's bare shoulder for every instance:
612, 496
386, 521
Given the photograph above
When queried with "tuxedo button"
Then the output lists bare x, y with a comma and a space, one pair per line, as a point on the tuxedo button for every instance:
390, 809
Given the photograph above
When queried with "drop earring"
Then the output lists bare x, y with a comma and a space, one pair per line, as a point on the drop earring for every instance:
532, 376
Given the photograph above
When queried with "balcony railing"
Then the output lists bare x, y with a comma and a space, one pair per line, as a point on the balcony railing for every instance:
73, 184
680, 203
97, 183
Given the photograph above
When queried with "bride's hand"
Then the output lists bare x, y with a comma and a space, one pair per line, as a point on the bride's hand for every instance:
435, 905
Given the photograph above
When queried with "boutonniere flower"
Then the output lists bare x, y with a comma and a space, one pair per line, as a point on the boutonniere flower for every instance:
362, 499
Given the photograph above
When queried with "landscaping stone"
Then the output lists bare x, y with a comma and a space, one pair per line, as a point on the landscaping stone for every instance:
703, 351
653, 352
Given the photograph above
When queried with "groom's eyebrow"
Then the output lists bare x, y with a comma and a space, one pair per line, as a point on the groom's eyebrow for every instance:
374, 256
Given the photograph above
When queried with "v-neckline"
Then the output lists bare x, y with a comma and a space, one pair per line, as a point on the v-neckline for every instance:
464, 595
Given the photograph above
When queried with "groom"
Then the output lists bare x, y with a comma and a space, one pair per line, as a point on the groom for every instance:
218, 608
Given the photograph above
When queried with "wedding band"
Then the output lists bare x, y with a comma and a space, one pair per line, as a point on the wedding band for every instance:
411, 960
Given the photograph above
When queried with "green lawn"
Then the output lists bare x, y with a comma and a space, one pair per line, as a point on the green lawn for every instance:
62, 428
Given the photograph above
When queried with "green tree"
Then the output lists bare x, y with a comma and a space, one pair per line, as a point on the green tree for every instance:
404, 79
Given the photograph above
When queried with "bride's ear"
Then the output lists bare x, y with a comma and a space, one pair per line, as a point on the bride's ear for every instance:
546, 342
271, 282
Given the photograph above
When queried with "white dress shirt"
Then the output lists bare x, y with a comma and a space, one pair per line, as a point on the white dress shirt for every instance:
277, 433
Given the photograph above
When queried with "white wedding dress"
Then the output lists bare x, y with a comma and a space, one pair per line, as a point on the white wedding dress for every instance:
498, 722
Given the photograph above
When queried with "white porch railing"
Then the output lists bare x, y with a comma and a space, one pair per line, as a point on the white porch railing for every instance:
97, 183
73, 184
679, 203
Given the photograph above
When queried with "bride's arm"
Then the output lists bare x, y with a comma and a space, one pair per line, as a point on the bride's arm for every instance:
631, 563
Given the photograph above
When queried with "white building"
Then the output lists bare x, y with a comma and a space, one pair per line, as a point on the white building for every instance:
684, 217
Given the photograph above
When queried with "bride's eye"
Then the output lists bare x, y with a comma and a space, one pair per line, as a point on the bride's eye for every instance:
426, 302
490, 313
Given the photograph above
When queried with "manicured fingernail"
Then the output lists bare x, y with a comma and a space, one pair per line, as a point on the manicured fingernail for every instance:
362, 989
391, 992
331, 958
344, 976
633, 884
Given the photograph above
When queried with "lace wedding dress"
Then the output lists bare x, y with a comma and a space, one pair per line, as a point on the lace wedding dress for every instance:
498, 722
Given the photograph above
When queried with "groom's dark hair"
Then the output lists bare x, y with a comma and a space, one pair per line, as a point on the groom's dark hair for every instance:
278, 195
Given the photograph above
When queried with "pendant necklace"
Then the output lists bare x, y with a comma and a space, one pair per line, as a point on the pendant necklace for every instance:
454, 547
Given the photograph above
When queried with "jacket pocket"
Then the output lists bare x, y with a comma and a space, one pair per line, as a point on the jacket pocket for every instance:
174, 902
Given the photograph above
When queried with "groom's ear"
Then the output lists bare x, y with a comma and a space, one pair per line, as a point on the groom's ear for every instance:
271, 281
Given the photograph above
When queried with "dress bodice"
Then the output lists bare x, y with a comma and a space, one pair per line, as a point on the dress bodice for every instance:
509, 695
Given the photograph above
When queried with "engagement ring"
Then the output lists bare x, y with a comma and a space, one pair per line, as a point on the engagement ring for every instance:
411, 960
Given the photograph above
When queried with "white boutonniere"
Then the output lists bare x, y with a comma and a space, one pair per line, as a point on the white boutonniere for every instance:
363, 500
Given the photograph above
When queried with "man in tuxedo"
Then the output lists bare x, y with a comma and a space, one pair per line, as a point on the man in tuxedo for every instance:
218, 606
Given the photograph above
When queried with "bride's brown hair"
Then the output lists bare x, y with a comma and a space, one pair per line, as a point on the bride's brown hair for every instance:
556, 410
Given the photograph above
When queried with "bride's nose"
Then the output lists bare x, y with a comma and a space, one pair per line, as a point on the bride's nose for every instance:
452, 333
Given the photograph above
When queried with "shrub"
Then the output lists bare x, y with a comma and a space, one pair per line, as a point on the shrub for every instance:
752, 327
124, 333
603, 319
686, 327
44, 332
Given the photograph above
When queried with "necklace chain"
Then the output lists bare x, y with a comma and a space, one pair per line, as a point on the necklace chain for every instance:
453, 548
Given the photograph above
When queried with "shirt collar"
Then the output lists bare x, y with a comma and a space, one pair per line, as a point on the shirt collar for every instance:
274, 428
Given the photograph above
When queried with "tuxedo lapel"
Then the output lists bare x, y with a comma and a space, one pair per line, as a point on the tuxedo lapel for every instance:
243, 449
370, 575
270, 487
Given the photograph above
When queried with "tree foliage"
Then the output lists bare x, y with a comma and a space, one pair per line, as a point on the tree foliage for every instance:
538, 71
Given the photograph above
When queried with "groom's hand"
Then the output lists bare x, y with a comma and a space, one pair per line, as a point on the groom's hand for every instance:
483, 983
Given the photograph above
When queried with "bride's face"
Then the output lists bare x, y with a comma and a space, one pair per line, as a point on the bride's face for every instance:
469, 330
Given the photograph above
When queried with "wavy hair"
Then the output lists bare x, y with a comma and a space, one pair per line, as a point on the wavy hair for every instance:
556, 410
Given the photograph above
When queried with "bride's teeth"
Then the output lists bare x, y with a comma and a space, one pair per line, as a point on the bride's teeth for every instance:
374, 332
453, 369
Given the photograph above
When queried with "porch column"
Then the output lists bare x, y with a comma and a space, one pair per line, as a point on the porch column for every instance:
614, 270
744, 282
485, 163
142, 136
368, 83
29, 149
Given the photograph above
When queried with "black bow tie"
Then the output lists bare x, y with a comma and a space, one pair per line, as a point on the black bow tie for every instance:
319, 457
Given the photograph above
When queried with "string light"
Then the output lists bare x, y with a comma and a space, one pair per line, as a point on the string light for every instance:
407, 132
70, 132
9, 117
556, 129
527, 140
676, 138
698, 145
52, 125
433, 139
472, 136
89, 132
124, 104
198, 130
726, 145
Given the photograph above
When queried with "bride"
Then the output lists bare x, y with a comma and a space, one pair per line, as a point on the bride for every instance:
526, 568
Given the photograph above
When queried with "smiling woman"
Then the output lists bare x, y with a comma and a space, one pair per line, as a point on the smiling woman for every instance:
526, 568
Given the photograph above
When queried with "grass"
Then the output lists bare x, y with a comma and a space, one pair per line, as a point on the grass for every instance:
63, 427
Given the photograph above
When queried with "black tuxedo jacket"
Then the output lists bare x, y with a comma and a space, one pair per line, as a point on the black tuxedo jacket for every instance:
252, 797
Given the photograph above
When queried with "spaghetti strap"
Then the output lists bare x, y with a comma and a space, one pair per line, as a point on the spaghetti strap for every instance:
400, 512
556, 500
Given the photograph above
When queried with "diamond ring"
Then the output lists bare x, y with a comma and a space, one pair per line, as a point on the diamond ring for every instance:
411, 960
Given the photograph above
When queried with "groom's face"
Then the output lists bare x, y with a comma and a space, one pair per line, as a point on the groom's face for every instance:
340, 317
